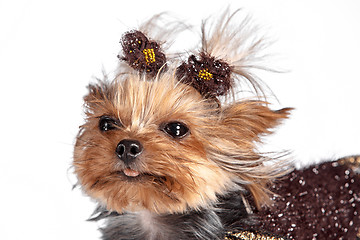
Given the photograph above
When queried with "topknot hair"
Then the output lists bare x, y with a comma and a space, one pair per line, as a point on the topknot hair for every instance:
225, 58
227, 53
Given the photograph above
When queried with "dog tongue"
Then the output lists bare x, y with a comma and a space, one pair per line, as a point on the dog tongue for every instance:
131, 173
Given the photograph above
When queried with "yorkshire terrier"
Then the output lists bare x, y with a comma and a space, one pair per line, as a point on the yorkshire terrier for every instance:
166, 149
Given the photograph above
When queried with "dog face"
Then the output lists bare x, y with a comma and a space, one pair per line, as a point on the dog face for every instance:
159, 145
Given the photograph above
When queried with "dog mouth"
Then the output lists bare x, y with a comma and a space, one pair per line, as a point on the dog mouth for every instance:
131, 173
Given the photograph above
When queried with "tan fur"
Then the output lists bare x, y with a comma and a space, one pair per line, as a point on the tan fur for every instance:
163, 28
177, 174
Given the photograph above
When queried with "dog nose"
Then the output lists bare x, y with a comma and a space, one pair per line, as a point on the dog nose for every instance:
127, 150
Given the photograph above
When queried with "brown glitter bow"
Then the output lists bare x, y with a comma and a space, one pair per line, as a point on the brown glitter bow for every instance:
141, 53
211, 77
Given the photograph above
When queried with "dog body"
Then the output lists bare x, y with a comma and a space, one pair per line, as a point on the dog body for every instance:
162, 155
169, 153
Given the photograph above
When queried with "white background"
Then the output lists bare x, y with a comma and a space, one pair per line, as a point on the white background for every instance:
50, 50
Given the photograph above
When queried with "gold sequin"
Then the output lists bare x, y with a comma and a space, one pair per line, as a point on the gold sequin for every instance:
149, 55
350, 160
353, 162
204, 74
248, 235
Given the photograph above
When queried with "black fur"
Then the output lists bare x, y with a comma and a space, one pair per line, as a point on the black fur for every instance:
206, 224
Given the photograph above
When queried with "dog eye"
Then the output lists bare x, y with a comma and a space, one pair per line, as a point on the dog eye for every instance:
107, 123
176, 129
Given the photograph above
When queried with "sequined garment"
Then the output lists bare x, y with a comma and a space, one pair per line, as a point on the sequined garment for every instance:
320, 202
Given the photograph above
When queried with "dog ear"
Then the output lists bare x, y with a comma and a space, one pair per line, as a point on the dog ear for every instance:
245, 122
99, 97
252, 119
